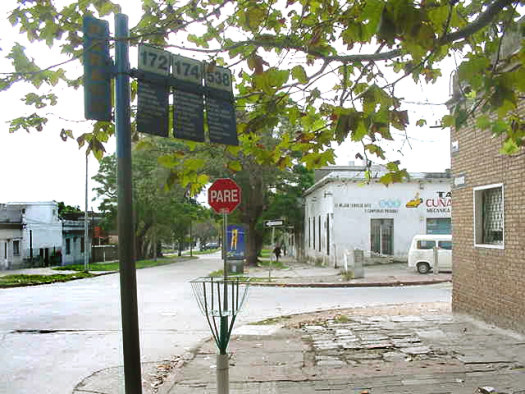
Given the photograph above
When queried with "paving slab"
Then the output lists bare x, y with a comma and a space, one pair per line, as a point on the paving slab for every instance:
289, 360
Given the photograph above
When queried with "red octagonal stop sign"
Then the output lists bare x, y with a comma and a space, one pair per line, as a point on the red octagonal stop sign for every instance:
224, 195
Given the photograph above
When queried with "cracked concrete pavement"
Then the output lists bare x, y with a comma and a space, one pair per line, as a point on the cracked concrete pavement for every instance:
417, 348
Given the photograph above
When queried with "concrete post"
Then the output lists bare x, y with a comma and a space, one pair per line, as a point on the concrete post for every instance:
223, 378
357, 269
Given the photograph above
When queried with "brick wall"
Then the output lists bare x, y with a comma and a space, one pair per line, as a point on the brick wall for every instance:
488, 283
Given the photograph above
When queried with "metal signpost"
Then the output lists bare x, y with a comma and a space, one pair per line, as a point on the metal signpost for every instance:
272, 223
224, 195
98, 73
128, 279
159, 72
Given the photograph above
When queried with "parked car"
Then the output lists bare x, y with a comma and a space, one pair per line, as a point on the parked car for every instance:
421, 253
210, 245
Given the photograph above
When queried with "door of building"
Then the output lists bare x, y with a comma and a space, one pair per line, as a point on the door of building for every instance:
382, 236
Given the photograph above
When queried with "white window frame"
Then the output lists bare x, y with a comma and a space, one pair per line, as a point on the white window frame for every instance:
478, 219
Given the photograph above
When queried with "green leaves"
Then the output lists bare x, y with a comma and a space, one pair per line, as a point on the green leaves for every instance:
271, 80
395, 174
40, 101
322, 65
299, 74
33, 121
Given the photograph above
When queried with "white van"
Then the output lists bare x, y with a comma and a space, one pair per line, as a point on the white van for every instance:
421, 253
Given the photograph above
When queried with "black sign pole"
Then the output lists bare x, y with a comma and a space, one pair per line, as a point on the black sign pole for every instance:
128, 280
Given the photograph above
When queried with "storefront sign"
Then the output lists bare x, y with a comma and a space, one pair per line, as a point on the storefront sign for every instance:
440, 202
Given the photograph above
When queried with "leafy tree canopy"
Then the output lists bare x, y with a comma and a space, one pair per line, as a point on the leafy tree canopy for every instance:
331, 67
65, 210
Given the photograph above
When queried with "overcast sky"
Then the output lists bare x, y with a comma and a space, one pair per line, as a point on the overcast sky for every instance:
40, 166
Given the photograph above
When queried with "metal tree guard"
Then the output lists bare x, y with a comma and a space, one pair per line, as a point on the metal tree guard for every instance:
219, 299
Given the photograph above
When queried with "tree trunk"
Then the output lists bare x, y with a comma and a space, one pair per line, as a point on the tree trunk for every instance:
251, 209
154, 247
299, 245
250, 253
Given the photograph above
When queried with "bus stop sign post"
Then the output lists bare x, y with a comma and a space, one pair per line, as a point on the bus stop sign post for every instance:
128, 278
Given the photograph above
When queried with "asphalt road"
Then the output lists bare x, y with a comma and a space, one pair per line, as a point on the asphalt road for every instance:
54, 336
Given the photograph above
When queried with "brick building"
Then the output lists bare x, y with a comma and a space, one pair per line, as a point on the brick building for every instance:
488, 225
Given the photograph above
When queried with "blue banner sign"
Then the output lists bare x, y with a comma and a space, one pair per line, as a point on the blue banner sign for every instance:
235, 242
98, 69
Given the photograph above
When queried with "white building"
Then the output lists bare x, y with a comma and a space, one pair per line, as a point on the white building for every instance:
10, 237
39, 233
32, 234
343, 213
73, 245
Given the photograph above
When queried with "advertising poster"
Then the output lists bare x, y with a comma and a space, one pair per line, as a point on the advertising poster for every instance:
235, 242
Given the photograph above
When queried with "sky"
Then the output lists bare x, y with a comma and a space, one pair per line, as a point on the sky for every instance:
39, 166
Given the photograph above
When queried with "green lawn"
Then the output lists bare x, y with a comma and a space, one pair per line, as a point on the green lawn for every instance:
115, 266
275, 265
27, 280
197, 252
266, 253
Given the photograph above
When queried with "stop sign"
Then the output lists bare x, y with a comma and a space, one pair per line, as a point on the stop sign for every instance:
224, 195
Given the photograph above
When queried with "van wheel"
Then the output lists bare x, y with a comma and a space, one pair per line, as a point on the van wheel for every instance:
423, 268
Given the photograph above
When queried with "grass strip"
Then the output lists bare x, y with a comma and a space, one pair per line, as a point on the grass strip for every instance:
29, 280
114, 266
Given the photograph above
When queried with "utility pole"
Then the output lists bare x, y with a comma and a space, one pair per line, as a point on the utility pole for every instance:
86, 232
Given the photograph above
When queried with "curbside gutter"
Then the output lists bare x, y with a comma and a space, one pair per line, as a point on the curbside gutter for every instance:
356, 284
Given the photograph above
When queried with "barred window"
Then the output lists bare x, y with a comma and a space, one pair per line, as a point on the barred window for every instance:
492, 216
488, 205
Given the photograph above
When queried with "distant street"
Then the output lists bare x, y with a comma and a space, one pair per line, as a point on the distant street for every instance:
53, 336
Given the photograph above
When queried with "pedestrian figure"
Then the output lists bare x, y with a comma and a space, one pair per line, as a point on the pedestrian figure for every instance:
277, 252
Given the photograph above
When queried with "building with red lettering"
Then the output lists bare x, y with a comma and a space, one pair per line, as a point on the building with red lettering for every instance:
343, 213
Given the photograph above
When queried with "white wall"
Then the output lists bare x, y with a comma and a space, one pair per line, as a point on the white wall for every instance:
7, 236
42, 219
319, 205
354, 204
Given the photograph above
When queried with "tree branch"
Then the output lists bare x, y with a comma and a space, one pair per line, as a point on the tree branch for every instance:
483, 20
268, 41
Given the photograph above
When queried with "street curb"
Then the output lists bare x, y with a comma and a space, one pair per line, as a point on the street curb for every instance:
367, 284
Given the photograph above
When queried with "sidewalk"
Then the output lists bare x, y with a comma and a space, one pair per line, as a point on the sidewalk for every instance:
420, 348
417, 349
305, 275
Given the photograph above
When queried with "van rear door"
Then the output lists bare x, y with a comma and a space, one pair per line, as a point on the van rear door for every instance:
445, 255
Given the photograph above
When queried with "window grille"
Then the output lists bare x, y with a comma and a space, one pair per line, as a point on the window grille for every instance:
382, 236
493, 216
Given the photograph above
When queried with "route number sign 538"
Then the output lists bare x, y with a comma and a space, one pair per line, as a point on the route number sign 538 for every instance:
218, 78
